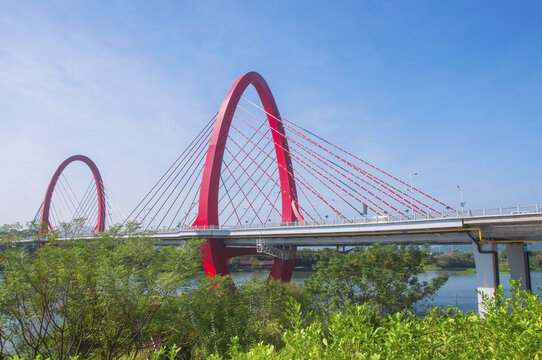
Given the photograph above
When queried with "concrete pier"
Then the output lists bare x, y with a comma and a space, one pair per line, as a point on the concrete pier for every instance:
487, 270
518, 259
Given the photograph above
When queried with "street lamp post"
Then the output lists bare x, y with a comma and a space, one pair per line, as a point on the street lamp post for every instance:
412, 195
461, 202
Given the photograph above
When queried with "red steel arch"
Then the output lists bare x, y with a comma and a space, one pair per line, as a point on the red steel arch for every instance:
44, 220
214, 253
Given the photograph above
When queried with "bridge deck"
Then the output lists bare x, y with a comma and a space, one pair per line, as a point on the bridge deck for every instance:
498, 228
525, 227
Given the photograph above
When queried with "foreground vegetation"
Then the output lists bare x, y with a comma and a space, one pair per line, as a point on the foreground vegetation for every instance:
511, 329
122, 297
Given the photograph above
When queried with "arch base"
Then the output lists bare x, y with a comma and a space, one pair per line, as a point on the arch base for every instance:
215, 260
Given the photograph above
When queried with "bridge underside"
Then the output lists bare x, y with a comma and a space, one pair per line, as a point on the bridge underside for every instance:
356, 239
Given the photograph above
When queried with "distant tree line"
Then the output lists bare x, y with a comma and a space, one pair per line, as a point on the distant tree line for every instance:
454, 261
465, 260
305, 260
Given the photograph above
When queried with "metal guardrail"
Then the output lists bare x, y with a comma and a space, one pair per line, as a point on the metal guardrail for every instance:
467, 213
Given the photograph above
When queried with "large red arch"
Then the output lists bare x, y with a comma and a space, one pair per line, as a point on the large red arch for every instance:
214, 254
44, 220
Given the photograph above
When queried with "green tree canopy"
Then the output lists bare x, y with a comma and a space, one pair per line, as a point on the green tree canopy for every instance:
95, 298
385, 276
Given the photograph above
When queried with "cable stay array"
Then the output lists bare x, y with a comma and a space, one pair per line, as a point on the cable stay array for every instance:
172, 201
332, 184
247, 167
72, 208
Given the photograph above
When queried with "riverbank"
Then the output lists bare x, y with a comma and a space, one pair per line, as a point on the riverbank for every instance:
453, 261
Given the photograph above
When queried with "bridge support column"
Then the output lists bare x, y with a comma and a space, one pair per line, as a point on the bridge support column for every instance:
518, 259
487, 270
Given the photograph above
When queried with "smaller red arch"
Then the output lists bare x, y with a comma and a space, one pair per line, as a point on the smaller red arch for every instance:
44, 219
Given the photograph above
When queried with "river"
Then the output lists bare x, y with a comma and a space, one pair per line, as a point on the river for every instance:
458, 291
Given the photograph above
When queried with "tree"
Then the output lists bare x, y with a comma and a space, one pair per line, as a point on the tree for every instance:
385, 276
305, 259
98, 298
205, 317
16, 231
118, 294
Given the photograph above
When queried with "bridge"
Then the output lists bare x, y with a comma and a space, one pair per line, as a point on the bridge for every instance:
461, 229
254, 182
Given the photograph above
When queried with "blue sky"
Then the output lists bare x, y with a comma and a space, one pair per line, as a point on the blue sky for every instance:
451, 90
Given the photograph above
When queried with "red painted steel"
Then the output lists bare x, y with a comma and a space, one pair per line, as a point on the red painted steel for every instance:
214, 254
44, 220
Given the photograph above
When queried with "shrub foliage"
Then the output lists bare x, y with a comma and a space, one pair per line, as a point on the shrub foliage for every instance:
121, 296
511, 329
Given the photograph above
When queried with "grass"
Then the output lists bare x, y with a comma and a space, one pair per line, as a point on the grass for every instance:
467, 271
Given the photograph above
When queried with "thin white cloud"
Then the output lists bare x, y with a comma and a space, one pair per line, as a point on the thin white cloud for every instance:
63, 92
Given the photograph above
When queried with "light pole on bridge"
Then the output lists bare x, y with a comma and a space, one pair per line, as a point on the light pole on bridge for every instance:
411, 194
461, 202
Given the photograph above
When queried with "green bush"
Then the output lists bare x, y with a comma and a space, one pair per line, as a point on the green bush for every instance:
511, 329
204, 319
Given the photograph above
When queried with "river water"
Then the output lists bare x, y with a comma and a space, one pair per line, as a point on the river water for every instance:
458, 291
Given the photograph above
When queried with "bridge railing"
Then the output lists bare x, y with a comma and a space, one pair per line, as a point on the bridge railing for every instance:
460, 214
514, 210
464, 214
